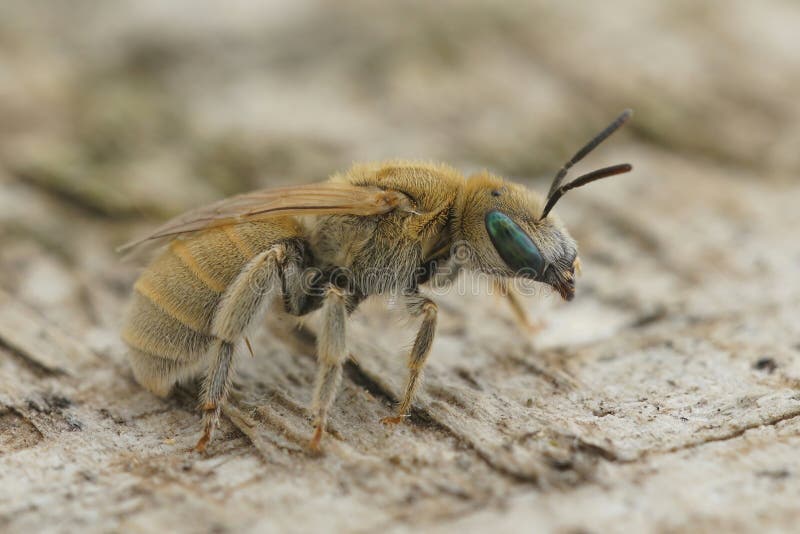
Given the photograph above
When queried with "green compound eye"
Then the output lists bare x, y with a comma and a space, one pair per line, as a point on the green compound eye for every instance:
514, 245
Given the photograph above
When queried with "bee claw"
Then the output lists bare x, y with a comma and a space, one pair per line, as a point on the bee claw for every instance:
534, 327
201, 446
315, 445
393, 420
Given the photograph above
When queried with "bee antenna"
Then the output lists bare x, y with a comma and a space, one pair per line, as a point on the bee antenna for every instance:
557, 190
584, 179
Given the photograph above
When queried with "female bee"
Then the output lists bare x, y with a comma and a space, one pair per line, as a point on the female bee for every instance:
375, 229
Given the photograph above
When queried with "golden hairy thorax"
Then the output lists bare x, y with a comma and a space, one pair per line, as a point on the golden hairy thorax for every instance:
394, 244
429, 185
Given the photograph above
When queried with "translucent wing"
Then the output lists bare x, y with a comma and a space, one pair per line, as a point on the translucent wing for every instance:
328, 198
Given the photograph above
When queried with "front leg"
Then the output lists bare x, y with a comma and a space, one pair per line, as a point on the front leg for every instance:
504, 289
417, 305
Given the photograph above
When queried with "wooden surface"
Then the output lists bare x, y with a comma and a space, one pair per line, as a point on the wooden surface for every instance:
665, 397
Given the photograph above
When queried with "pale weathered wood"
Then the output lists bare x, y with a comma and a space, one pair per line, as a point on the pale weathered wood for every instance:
44, 344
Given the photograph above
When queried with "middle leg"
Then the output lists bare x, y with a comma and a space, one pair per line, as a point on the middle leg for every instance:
331, 354
417, 305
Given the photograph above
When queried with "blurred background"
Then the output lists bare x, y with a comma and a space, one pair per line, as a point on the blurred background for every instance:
133, 109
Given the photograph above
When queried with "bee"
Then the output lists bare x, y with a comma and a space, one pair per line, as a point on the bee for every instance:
375, 229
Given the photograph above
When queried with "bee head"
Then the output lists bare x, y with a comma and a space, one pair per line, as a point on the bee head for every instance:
500, 228
509, 231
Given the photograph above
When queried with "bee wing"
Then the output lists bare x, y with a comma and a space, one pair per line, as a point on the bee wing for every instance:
328, 198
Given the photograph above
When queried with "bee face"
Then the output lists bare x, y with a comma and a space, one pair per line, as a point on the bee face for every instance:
500, 225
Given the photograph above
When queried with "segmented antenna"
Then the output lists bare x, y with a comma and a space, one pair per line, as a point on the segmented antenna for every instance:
557, 190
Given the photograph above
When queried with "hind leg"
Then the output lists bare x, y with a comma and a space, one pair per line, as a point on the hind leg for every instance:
215, 390
243, 301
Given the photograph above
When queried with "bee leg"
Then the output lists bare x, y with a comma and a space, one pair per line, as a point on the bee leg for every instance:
517, 308
417, 305
241, 303
331, 354
215, 389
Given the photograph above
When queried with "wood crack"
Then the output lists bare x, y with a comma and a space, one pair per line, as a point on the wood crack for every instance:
736, 433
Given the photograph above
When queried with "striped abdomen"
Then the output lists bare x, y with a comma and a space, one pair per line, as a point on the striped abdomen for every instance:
168, 326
